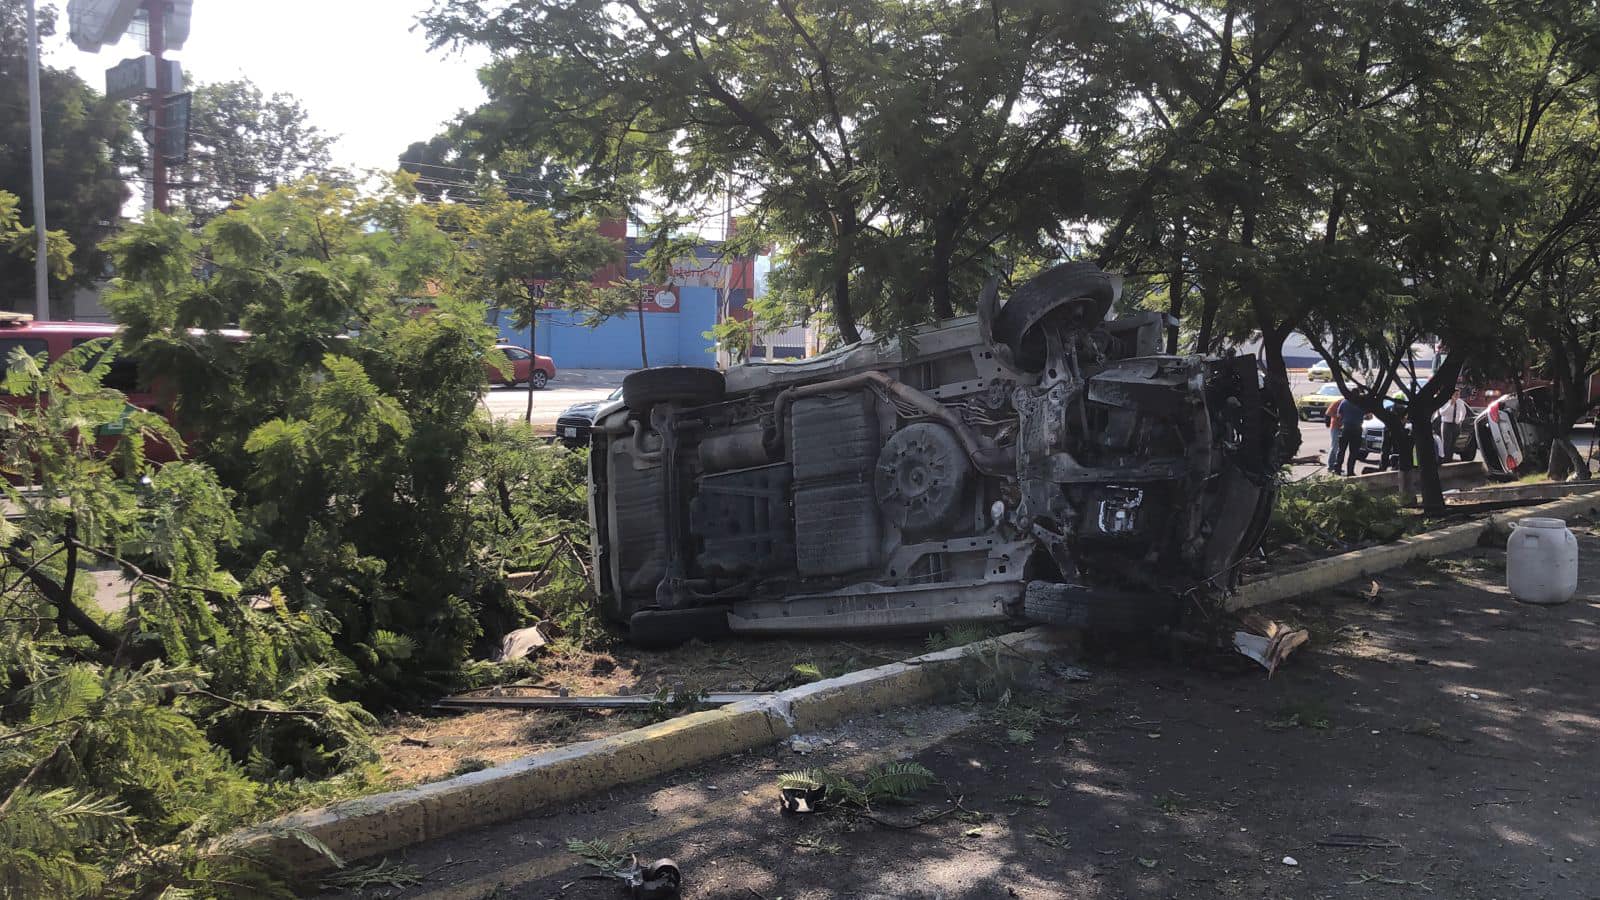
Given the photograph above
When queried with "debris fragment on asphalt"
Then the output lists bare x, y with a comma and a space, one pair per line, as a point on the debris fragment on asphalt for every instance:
521, 643
1290, 861
1268, 643
804, 744
1069, 672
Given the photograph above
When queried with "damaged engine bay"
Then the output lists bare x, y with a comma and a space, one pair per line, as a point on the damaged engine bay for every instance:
1034, 461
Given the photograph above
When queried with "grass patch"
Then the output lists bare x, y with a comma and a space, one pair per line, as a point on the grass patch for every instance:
1025, 800
1173, 804
1051, 837
819, 844
1333, 514
1309, 714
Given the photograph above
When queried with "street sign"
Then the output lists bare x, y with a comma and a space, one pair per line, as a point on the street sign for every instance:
175, 129
93, 24
133, 77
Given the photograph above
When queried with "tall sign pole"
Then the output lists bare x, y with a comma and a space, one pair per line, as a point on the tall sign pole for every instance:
41, 262
156, 9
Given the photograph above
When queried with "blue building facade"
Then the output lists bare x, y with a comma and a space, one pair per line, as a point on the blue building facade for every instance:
677, 317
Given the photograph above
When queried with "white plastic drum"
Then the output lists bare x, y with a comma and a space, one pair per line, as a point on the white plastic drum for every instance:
1542, 561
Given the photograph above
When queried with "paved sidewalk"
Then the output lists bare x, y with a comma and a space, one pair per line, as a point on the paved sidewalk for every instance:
1438, 742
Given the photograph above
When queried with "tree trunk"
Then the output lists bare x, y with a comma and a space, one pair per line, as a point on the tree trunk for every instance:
1281, 396
1208, 320
644, 352
1175, 285
533, 347
1427, 459
1566, 462
943, 246
844, 318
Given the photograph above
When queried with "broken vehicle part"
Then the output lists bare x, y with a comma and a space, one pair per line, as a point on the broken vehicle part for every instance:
660, 880
1269, 643
1036, 461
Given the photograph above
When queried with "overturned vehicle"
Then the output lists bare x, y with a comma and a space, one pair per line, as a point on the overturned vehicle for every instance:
1032, 462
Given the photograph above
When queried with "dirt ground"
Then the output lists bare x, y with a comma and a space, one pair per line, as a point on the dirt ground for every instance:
1439, 741
415, 748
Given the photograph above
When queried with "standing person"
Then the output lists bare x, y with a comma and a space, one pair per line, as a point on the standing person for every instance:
1335, 452
1451, 419
1349, 436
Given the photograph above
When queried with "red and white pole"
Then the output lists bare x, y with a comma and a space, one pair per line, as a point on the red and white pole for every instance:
157, 10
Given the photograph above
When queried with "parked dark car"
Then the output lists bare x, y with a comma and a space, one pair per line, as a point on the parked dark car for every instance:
1035, 461
572, 426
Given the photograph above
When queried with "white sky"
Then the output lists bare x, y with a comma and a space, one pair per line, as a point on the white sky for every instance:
356, 66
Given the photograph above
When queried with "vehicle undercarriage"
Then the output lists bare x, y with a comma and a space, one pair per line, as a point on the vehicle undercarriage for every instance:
1034, 461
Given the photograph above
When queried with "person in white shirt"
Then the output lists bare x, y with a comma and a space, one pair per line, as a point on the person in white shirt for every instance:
1451, 419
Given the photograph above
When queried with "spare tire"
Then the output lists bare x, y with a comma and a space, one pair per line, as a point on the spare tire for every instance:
1091, 609
689, 385
1077, 294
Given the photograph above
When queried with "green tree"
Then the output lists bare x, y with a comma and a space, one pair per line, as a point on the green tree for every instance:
901, 145
135, 741
446, 169
1490, 175
1561, 311
345, 421
244, 143
87, 142
523, 259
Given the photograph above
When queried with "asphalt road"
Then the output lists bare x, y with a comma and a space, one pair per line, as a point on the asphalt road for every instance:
1315, 439
1434, 741
570, 386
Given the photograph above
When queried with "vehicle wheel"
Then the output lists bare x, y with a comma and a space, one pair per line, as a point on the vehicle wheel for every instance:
659, 628
691, 385
1469, 454
1077, 293
538, 380
1074, 606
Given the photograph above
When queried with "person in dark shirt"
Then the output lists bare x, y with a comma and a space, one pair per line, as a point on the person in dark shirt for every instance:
1349, 437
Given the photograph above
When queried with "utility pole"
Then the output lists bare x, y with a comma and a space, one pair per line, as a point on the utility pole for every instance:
156, 10
41, 262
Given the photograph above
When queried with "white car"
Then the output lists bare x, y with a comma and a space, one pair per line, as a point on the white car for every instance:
1508, 432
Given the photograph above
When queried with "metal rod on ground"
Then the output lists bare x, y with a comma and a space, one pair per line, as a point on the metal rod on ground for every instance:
611, 701
41, 262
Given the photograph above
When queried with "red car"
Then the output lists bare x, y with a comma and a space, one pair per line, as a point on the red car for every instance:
20, 331
527, 368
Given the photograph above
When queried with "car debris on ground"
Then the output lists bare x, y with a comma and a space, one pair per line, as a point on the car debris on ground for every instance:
1268, 643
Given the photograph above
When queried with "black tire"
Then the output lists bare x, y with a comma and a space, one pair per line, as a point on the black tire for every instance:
1077, 292
662, 628
1073, 606
538, 380
689, 385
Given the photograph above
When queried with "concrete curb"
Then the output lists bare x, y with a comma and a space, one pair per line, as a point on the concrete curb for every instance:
1510, 493
1325, 573
385, 823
